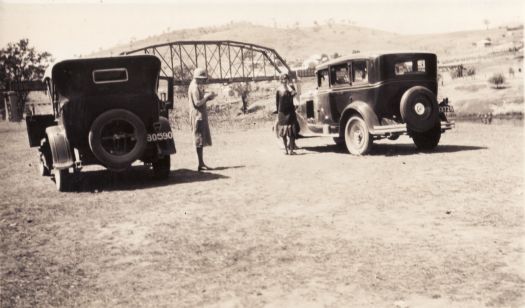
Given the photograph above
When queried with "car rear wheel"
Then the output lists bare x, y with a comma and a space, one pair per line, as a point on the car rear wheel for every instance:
117, 138
161, 168
427, 140
419, 109
357, 137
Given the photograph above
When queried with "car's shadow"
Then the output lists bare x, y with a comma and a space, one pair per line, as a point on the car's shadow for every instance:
138, 178
381, 149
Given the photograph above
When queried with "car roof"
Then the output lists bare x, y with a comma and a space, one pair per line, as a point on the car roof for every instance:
366, 55
106, 60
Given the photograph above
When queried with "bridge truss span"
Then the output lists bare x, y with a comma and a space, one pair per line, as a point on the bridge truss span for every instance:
225, 61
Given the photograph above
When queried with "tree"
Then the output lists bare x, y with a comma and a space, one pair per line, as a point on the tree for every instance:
317, 27
486, 22
511, 72
185, 73
497, 80
243, 90
19, 62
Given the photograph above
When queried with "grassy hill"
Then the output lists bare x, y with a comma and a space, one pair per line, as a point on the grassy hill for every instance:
297, 43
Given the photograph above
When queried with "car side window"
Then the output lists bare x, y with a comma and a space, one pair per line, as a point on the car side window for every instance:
359, 72
421, 66
340, 75
322, 79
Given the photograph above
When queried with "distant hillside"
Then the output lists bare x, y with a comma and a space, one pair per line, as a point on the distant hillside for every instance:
298, 43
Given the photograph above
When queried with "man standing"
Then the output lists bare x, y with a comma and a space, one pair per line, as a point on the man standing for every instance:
200, 128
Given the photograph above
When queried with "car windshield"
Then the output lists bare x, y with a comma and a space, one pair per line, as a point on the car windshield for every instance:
410, 67
110, 75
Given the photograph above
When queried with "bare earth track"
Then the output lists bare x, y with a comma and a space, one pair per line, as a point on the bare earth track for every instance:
394, 229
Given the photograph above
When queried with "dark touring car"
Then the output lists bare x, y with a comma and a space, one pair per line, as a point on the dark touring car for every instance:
362, 98
105, 111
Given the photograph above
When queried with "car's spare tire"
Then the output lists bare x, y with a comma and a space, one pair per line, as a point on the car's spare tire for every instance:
117, 138
419, 109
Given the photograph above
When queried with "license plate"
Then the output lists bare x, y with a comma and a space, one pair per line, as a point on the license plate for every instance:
159, 136
446, 109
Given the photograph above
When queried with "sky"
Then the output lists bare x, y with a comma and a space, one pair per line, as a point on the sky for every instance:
70, 28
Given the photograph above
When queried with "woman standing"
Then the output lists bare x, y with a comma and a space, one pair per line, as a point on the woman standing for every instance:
286, 118
199, 115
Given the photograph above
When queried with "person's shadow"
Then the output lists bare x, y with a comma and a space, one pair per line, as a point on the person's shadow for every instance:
140, 177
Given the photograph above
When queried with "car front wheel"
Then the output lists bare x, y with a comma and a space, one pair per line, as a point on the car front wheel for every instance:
62, 179
357, 137
43, 170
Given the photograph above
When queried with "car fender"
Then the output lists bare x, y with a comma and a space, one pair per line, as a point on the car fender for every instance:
361, 108
60, 148
36, 127
166, 147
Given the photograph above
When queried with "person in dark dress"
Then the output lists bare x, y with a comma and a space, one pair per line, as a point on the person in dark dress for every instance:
286, 127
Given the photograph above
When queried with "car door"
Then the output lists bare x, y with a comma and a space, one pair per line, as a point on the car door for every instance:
340, 96
321, 106
360, 87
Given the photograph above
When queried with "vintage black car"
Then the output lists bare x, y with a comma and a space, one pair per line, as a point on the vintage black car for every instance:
362, 98
105, 111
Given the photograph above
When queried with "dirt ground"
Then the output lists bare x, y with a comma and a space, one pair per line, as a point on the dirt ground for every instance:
396, 228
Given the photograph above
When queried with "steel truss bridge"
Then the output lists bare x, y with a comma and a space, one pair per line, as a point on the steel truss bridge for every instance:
225, 61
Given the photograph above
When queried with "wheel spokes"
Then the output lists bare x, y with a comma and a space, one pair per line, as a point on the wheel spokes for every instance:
118, 137
357, 135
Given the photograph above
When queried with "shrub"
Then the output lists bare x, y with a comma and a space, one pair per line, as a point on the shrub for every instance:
497, 80
454, 74
462, 71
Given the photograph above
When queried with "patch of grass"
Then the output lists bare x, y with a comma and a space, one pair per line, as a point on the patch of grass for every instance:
235, 235
471, 88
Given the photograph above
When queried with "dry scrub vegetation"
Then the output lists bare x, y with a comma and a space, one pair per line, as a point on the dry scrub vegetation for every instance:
394, 229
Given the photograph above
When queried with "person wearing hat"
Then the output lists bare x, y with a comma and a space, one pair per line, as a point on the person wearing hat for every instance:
200, 128
286, 127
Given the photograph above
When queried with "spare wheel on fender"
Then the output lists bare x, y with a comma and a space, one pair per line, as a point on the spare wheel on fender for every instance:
419, 109
117, 138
